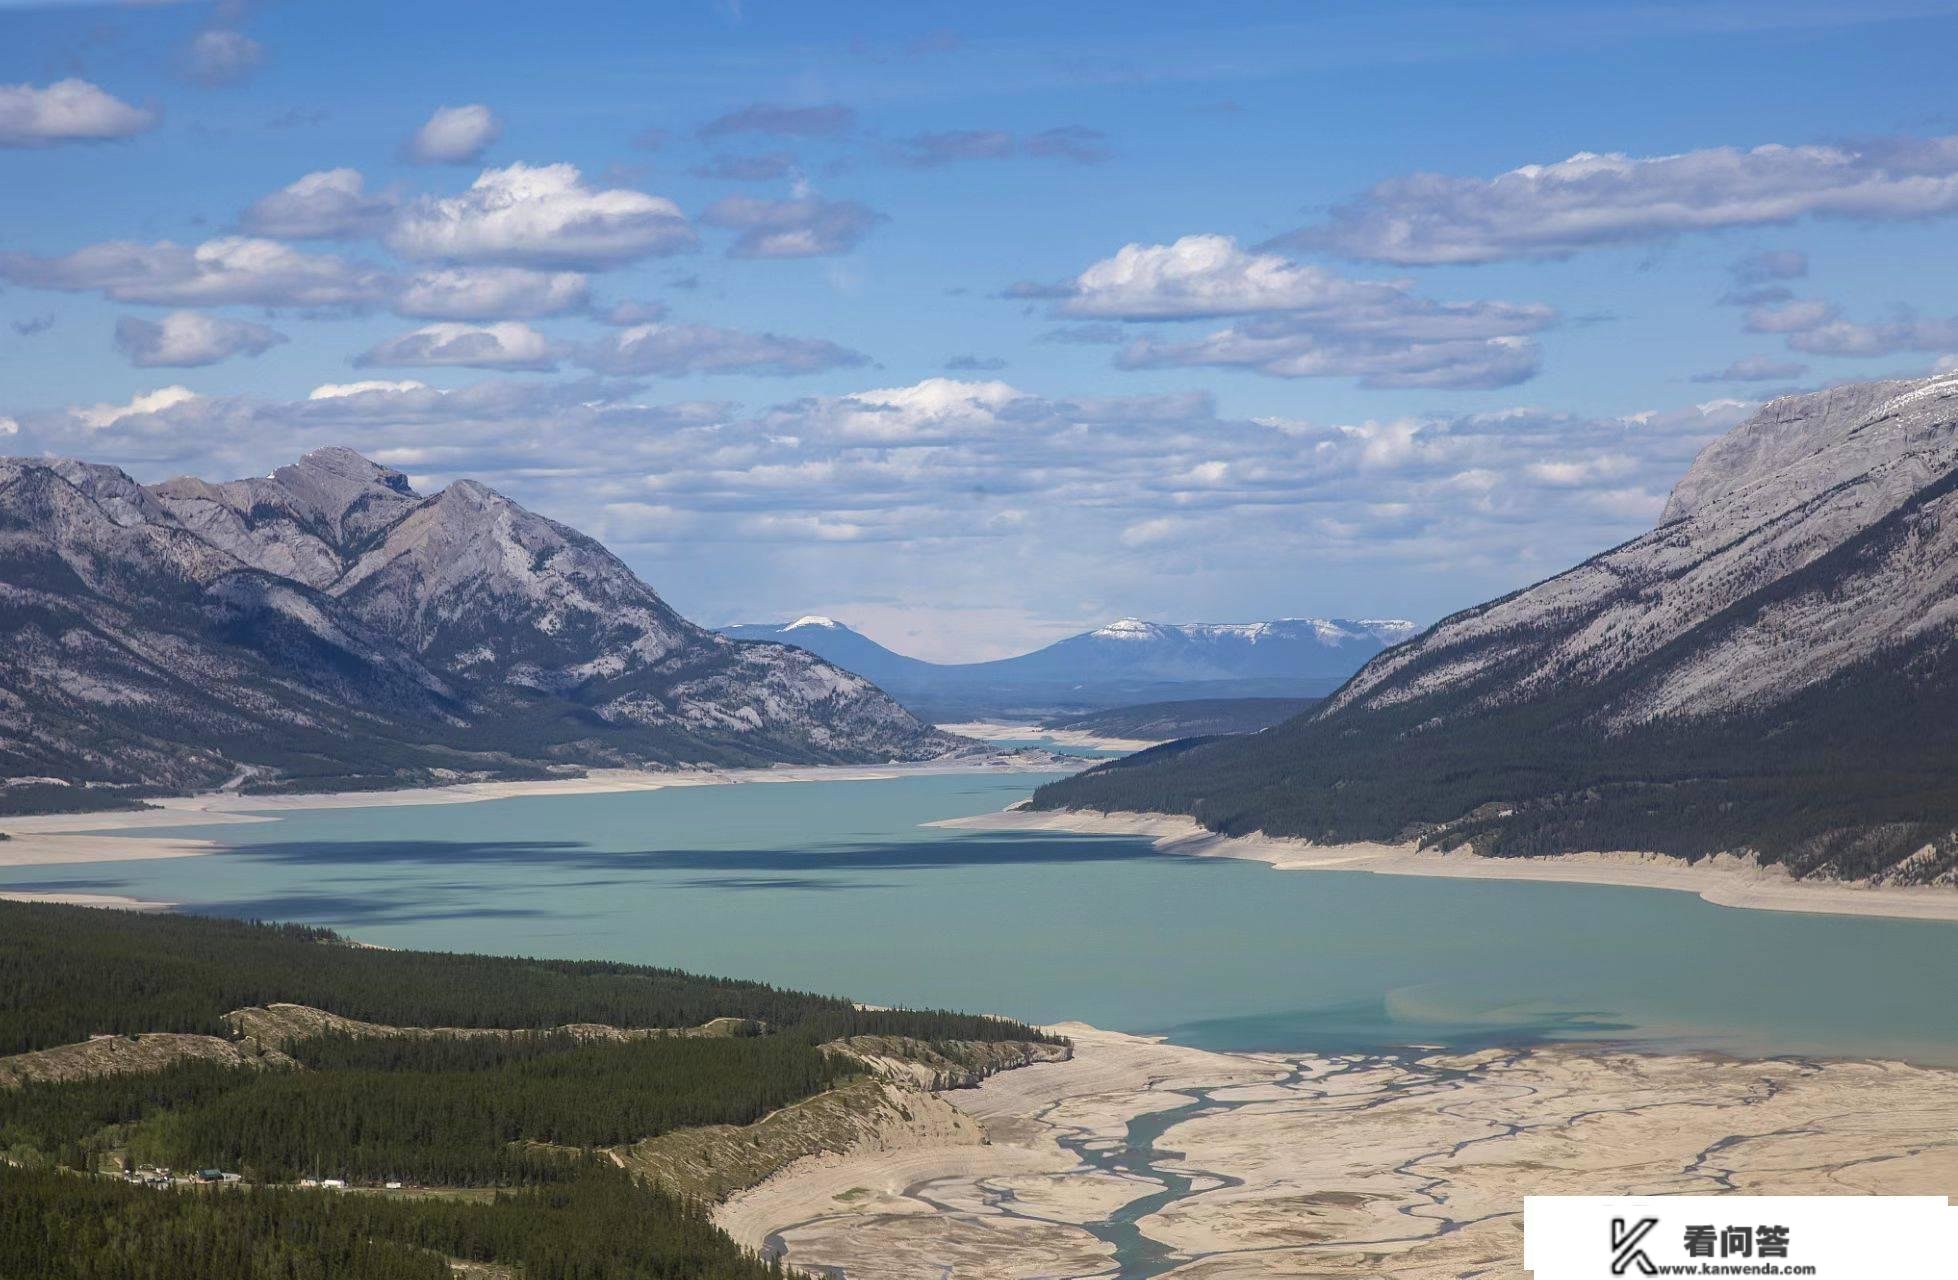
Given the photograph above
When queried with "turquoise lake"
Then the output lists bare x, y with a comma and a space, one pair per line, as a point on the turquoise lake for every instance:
835, 887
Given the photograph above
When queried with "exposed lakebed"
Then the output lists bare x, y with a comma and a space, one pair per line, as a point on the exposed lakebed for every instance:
835, 886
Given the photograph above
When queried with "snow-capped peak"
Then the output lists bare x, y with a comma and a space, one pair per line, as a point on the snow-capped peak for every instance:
814, 620
1127, 629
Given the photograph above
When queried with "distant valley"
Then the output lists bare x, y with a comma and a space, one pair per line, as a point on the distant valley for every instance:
1125, 663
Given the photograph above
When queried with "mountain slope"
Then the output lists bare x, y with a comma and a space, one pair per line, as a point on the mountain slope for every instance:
327, 624
1123, 663
1769, 669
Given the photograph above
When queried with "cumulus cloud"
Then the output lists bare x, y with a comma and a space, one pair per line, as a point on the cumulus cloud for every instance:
1792, 316
97, 417
341, 390
1816, 327
1285, 351
492, 293
220, 57
1298, 320
1846, 338
1755, 369
673, 350
793, 122
454, 135
506, 344
1593, 200
541, 216
187, 339
66, 111
231, 269
331, 204
806, 226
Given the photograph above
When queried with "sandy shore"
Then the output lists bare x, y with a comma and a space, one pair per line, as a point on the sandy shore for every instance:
1725, 881
998, 731
45, 839
1276, 1165
117, 900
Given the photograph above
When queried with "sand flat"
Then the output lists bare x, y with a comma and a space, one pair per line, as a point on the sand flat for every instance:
1352, 1166
1724, 880
1002, 731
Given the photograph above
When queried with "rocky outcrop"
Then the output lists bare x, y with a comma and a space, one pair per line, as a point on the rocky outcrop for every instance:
281, 1025
129, 1055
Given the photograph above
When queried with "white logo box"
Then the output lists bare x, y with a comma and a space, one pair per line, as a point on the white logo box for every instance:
1824, 1237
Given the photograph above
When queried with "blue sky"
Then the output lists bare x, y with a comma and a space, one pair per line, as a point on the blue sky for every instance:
975, 328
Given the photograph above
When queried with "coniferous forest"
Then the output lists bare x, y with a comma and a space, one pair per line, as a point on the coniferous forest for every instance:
505, 1128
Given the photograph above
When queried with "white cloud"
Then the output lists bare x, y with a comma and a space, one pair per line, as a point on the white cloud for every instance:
1816, 327
1301, 320
187, 339
676, 349
66, 111
804, 227
1593, 200
230, 269
1846, 338
1790, 317
331, 204
97, 417
222, 57
455, 135
504, 345
1205, 276
340, 390
492, 293
541, 216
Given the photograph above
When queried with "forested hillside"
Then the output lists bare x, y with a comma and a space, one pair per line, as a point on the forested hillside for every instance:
507, 1139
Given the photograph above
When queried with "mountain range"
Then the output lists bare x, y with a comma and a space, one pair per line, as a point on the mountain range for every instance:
1125, 662
1770, 670
326, 624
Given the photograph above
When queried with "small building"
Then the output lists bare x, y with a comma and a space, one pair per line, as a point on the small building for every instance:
334, 1184
394, 1186
210, 1175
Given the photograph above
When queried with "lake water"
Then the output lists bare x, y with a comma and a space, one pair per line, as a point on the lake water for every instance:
835, 887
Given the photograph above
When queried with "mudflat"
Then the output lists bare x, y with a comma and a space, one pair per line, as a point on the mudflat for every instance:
1178, 1161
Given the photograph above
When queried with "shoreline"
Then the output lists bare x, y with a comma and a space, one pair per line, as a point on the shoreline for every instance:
52, 839
1723, 880
1001, 730
1158, 1159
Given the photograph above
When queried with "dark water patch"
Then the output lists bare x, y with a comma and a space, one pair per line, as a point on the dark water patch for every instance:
355, 909
989, 850
1375, 1027
93, 884
782, 882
